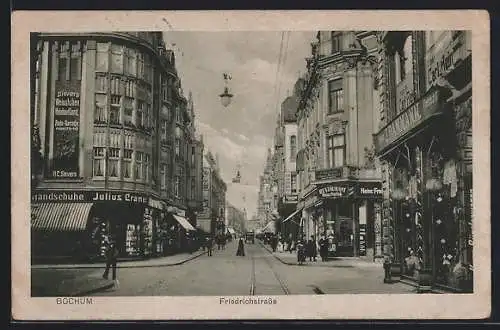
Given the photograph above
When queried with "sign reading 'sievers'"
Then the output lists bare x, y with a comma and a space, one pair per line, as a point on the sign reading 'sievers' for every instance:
66, 130
96, 196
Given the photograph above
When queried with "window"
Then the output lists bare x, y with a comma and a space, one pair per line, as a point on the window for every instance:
336, 150
293, 180
335, 96
164, 131
293, 148
127, 163
101, 84
114, 110
403, 60
138, 165
100, 108
116, 59
177, 147
128, 109
130, 88
336, 42
146, 166
75, 62
177, 182
140, 65
63, 66
178, 114
130, 68
163, 177
139, 120
147, 116
193, 159
113, 161
147, 68
98, 163
164, 88
102, 57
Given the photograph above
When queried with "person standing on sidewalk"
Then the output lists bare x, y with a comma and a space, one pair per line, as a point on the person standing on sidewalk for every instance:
210, 243
111, 260
323, 248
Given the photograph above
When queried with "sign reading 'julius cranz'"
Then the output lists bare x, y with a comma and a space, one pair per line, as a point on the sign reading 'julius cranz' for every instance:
66, 130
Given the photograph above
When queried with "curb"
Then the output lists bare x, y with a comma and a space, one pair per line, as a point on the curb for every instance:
118, 266
91, 291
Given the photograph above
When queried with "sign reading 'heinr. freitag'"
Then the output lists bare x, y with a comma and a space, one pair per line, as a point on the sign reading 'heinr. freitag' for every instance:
351, 190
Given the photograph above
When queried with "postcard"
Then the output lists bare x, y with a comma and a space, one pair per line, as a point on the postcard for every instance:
250, 165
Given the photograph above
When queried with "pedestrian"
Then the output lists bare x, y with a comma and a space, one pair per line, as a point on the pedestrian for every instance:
209, 245
241, 248
313, 250
301, 253
111, 260
323, 248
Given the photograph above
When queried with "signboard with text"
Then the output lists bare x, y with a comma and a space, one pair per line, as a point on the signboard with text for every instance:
362, 240
97, 196
290, 199
364, 190
66, 130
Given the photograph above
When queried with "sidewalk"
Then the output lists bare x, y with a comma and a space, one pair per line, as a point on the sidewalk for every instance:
339, 262
173, 260
85, 279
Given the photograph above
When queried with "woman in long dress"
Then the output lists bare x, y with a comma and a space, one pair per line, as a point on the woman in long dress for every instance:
241, 248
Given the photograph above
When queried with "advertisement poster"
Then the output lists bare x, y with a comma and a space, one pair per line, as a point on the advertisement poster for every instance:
66, 130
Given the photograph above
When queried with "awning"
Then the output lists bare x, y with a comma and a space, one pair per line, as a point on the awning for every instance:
183, 222
60, 216
231, 230
292, 215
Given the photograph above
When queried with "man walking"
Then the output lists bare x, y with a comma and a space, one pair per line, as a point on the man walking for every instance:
111, 259
209, 245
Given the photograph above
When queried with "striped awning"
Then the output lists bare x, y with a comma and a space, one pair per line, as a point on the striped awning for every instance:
183, 222
60, 216
290, 217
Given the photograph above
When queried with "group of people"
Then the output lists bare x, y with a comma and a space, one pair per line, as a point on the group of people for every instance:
308, 249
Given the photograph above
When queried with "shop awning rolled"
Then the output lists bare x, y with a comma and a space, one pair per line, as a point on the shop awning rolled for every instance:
291, 216
64, 217
183, 222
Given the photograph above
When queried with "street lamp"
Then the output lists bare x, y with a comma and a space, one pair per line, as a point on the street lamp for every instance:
226, 96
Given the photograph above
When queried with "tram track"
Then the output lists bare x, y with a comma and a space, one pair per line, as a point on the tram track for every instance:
253, 281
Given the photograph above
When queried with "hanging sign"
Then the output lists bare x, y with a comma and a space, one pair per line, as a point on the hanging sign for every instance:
362, 240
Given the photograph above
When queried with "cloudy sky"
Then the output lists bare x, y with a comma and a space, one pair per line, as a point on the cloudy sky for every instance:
242, 132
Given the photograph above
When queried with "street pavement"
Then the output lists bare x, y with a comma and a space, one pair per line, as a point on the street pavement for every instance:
259, 272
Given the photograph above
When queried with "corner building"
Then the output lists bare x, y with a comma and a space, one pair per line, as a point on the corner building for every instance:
117, 140
339, 178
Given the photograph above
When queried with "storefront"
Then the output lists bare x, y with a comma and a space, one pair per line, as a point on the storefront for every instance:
76, 223
346, 215
287, 210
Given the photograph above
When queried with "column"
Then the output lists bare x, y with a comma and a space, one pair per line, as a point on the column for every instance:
351, 106
87, 104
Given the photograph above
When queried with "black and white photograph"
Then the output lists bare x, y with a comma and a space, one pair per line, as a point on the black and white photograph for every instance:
247, 166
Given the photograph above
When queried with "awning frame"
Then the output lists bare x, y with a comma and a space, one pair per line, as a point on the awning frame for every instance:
183, 222
290, 217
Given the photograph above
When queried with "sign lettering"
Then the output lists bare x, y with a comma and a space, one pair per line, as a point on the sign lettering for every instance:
66, 130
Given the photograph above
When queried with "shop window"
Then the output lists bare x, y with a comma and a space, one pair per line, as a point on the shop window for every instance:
127, 163
98, 161
100, 109
102, 57
336, 150
116, 58
113, 161
138, 165
336, 42
335, 96
293, 148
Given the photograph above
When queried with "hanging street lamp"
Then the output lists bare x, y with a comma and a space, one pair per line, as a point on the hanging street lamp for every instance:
226, 96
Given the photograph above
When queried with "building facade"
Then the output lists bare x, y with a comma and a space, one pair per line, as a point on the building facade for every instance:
236, 218
339, 180
115, 132
284, 172
212, 219
425, 145
267, 199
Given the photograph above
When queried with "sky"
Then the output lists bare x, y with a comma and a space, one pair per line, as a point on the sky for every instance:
241, 133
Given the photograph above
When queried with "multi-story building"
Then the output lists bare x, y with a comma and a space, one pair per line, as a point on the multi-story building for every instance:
235, 218
425, 144
211, 219
267, 198
339, 182
114, 130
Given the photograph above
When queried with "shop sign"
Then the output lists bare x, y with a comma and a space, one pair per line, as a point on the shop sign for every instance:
408, 119
362, 240
96, 196
290, 199
370, 190
330, 173
66, 130
336, 191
